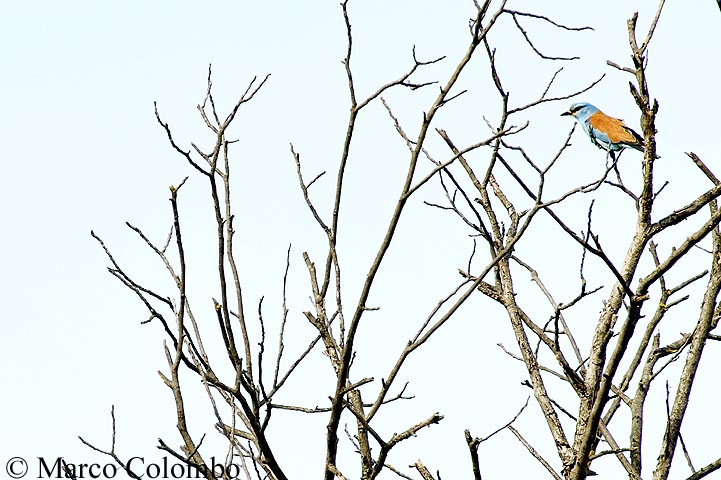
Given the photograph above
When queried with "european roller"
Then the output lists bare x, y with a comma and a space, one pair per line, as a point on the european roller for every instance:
607, 133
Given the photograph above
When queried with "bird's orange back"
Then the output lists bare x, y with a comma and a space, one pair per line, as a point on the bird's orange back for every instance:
613, 127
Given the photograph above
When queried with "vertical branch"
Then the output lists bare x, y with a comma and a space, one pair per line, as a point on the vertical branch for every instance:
223, 308
708, 320
229, 235
353, 115
281, 334
189, 446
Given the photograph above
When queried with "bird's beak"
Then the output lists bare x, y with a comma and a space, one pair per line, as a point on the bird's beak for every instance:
566, 113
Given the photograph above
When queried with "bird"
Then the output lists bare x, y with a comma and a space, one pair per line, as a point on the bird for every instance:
607, 133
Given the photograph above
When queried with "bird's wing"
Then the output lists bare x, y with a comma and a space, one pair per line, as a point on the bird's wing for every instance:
614, 129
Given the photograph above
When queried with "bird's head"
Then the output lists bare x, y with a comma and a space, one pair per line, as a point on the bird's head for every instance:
581, 110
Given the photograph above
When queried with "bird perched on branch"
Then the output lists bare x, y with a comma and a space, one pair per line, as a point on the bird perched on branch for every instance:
607, 133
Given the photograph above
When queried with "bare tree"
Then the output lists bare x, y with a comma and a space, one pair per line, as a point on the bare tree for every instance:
497, 189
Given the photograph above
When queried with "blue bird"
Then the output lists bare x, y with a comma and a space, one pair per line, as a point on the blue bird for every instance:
607, 133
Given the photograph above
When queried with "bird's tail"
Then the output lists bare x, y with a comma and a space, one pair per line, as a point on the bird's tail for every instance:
640, 146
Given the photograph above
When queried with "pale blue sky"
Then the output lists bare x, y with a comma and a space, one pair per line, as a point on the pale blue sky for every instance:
81, 150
